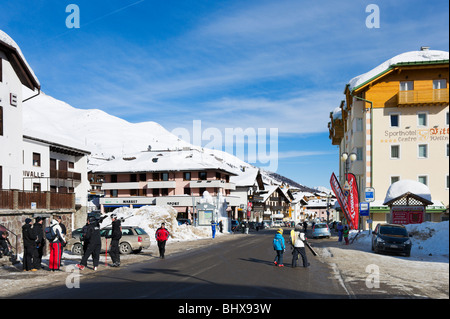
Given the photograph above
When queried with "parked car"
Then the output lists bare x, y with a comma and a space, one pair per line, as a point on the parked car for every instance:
183, 221
321, 230
134, 239
391, 238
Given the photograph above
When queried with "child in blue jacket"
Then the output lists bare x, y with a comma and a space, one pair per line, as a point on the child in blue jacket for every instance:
279, 247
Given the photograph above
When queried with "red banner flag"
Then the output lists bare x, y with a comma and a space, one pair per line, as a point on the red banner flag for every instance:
342, 199
353, 200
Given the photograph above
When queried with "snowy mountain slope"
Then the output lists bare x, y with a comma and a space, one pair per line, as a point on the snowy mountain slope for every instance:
106, 136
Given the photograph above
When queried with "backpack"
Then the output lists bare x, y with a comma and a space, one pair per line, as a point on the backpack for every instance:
50, 233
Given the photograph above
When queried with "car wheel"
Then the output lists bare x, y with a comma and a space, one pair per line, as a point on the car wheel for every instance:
125, 248
77, 249
408, 254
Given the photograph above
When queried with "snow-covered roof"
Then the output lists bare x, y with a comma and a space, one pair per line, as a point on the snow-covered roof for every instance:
404, 186
158, 161
425, 56
247, 178
9, 42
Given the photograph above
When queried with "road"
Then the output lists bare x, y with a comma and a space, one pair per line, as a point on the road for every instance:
237, 269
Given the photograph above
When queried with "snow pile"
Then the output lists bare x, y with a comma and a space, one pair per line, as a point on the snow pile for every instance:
428, 239
404, 186
150, 218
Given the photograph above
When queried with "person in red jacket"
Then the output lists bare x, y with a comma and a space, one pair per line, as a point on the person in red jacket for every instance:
162, 235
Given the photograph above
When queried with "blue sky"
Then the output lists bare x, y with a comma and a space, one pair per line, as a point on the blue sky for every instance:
231, 64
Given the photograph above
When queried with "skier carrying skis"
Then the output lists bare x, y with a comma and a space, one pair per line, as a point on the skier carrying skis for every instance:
298, 244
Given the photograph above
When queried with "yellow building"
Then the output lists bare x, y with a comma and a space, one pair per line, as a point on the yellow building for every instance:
395, 119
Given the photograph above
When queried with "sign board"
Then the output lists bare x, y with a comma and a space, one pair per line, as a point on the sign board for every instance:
370, 194
364, 209
405, 215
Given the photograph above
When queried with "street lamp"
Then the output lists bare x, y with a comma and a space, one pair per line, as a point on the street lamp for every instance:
347, 159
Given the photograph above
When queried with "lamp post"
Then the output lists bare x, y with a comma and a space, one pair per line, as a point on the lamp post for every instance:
347, 159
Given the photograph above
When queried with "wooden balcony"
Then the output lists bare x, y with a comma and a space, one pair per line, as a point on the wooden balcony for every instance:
423, 97
61, 174
16, 200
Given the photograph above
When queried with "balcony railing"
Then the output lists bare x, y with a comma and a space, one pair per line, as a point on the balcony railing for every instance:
14, 199
57, 173
414, 97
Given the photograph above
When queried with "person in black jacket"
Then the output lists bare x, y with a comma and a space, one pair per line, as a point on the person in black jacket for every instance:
116, 234
93, 243
29, 245
40, 243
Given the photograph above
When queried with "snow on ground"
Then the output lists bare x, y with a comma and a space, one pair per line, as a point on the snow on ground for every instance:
150, 218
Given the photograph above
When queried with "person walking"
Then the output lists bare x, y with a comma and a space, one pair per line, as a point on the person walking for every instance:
279, 246
116, 235
298, 244
340, 230
162, 235
29, 245
345, 234
213, 229
56, 245
93, 244
40, 243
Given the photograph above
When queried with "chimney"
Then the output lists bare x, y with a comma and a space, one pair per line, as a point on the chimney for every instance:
424, 48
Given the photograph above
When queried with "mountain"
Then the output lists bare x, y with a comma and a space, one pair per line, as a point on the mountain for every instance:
107, 136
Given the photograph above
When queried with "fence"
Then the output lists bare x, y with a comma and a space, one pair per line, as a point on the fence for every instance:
14, 199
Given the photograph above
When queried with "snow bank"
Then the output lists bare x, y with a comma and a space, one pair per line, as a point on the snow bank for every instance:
428, 239
150, 218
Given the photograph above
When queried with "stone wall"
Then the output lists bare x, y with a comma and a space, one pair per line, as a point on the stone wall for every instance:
13, 220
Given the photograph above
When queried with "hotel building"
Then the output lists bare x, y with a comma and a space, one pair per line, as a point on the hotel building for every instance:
395, 119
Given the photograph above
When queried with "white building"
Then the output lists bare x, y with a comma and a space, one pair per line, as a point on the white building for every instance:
39, 175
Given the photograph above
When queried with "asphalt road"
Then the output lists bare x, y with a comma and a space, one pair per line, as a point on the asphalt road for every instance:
236, 269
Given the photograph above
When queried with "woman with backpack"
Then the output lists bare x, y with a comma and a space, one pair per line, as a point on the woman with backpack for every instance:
279, 247
162, 235
56, 243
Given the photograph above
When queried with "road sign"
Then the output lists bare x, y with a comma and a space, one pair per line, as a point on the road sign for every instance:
370, 194
364, 208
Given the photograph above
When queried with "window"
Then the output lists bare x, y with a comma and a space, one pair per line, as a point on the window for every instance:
143, 177
155, 192
395, 120
394, 179
114, 178
187, 191
359, 153
155, 177
165, 176
133, 178
36, 159
187, 176
71, 165
406, 85
423, 150
36, 187
113, 192
422, 119
439, 84
202, 176
423, 179
395, 151
164, 191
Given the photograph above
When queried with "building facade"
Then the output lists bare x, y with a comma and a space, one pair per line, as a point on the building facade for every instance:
176, 178
395, 120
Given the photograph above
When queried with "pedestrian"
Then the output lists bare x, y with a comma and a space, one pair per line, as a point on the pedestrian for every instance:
63, 231
4, 244
56, 245
40, 243
340, 230
93, 242
162, 235
279, 247
298, 244
221, 226
29, 245
116, 235
305, 225
345, 234
213, 229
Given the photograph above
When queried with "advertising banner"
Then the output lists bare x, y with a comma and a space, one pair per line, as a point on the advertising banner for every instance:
353, 200
405, 215
342, 199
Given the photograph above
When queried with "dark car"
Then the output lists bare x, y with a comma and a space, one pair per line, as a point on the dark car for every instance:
391, 238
